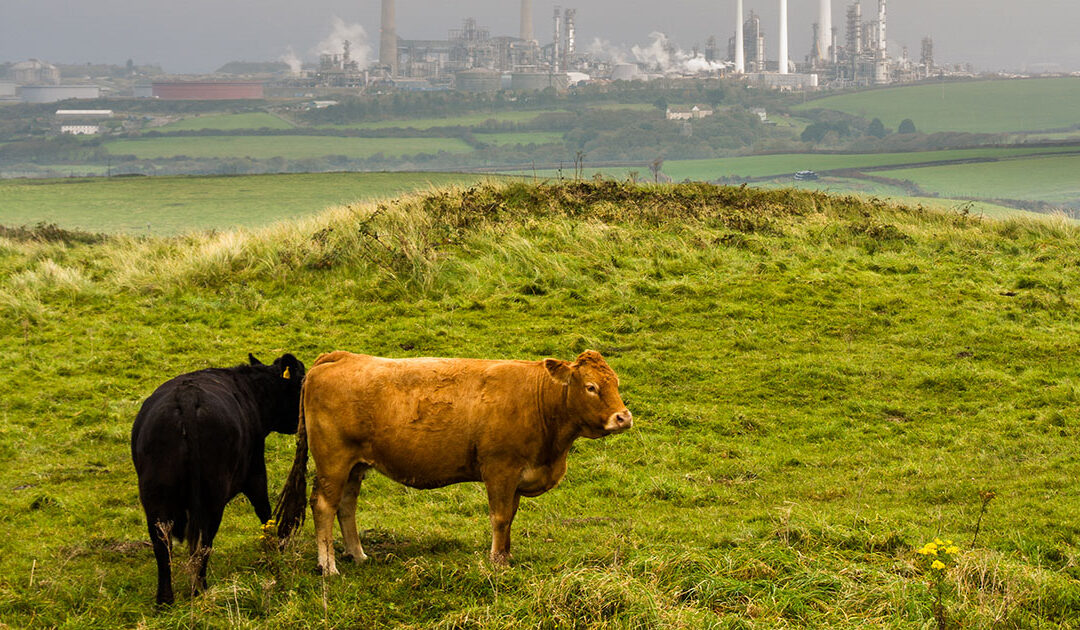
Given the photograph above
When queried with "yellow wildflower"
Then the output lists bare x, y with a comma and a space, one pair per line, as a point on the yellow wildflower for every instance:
939, 542
938, 564
952, 550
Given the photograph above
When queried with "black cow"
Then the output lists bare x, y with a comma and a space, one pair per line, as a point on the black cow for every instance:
198, 441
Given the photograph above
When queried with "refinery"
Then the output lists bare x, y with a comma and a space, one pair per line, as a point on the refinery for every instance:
854, 52
472, 59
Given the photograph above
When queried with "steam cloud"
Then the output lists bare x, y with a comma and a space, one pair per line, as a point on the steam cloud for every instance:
664, 56
604, 50
290, 58
340, 32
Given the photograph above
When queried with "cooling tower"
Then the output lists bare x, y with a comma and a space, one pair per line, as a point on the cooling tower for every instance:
388, 37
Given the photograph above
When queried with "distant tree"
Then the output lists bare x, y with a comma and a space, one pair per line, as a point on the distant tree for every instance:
876, 129
907, 126
655, 167
661, 104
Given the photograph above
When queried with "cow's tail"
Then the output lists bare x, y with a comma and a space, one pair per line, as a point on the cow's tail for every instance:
292, 503
197, 519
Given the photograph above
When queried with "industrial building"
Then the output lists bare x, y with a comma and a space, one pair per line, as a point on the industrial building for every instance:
35, 72
861, 59
207, 90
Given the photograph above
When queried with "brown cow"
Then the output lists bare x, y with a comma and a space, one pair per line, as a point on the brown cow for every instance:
429, 423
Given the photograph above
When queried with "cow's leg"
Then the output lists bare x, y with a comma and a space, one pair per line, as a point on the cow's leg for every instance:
502, 506
325, 498
162, 544
202, 546
256, 493
346, 514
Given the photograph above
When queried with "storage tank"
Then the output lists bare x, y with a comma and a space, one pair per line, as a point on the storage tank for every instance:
478, 80
207, 90
533, 81
54, 93
625, 72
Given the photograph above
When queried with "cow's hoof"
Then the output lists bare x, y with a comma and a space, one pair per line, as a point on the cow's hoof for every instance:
319, 570
501, 559
360, 559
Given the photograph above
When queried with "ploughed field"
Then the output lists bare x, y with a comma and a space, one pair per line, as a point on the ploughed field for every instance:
820, 385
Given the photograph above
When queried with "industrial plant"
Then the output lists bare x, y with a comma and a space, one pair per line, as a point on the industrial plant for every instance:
471, 59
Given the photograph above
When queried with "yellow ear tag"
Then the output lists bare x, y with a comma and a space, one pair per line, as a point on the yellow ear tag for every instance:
286, 373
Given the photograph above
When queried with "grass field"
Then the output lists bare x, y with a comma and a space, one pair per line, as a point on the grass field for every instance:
768, 165
1052, 179
978, 106
255, 120
171, 205
524, 137
469, 120
820, 386
289, 147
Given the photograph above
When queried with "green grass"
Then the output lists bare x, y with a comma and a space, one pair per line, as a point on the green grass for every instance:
820, 386
524, 138
1053, 179
255, 120
978, 106
768, 165
171, 205
468, 120
289, 147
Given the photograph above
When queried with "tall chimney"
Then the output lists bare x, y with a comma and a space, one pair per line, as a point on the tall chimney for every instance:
526, 20
556, 48
882, 45
825, 32
388, 37
740, 46
784, 37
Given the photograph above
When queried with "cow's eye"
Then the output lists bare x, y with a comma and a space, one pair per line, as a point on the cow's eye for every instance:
591, 388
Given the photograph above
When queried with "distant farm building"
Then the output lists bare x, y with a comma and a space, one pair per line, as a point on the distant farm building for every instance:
82, 122
207, 90
689, 113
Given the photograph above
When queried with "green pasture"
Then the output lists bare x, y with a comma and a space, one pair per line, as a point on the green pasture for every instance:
523, 138
999, 106
289, 147
253, 120
172, 205
1053, 179
768, 165
820, 386
466, 120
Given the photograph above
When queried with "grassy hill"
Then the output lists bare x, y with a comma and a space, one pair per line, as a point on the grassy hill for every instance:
820, 386
977, 106
173, 205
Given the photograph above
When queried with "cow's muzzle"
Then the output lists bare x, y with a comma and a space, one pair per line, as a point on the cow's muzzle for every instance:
619, 422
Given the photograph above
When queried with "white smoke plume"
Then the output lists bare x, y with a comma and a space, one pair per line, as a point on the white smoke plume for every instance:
290, 58
661, 55
340, 32
604, 50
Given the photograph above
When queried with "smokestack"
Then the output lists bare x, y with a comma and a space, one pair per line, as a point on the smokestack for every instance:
571, 38
825, 32
882, 46
784, 38
388, 37
740, 46
526, 20
556, 49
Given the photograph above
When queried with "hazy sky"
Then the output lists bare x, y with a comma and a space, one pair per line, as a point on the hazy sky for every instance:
201, 35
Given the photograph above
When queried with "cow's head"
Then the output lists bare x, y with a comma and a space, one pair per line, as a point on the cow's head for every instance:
592, 396
287, 375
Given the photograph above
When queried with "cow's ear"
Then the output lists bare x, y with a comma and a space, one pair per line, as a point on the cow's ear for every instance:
589, 356
560, 371
253, 360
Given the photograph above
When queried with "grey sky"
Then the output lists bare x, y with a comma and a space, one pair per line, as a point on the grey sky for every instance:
201, 35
